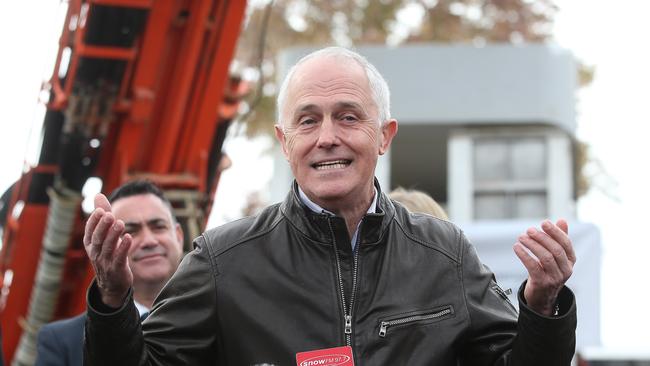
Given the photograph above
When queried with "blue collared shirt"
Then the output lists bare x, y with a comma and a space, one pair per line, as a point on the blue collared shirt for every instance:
141, 308
316, 208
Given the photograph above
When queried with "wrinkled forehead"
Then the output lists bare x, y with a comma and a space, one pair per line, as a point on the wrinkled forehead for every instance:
325, 68
327, 74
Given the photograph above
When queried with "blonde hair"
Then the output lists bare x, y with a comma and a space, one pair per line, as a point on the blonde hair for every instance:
418, 202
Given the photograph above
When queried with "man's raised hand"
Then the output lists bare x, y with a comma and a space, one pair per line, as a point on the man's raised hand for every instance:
550, 267
108, 250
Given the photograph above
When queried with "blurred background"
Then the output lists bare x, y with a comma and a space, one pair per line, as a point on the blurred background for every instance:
510, 112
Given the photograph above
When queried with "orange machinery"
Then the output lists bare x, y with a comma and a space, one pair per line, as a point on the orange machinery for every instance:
141, 88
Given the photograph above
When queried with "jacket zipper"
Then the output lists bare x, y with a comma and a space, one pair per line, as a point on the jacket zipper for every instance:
347, 310
383, 327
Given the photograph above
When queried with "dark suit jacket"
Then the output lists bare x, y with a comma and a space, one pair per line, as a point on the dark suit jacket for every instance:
61, 343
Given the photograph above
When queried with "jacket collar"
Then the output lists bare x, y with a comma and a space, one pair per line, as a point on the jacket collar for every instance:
325, 228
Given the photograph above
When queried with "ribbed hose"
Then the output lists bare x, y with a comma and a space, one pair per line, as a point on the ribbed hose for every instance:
63, 208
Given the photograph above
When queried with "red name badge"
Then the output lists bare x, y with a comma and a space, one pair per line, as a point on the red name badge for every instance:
338, 356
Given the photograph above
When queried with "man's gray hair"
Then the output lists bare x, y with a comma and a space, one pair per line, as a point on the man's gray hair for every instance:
376, 82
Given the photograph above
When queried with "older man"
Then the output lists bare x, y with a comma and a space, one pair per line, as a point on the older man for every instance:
337, 274
153, 257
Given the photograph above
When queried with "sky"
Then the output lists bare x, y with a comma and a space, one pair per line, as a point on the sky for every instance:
613, 118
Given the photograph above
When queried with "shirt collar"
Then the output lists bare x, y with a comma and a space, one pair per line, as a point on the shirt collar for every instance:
316, 208
141, 308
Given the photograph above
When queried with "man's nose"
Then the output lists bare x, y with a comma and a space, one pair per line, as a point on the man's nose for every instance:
147, 238
328, 134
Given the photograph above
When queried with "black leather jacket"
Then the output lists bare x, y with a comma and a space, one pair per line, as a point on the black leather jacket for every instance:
261, 289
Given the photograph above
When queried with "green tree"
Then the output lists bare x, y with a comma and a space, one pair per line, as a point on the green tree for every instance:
286, 23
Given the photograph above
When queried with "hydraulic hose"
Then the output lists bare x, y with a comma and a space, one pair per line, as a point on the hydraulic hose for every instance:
64, 204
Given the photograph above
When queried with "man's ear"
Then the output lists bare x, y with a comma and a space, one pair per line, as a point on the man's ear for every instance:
179, 235
279, 134
388, 131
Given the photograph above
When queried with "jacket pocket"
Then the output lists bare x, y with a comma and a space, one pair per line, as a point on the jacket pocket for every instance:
425, 317
503, 293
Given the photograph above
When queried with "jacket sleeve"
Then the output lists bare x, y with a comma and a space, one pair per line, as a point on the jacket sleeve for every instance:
498, 336
180, 330
49, 349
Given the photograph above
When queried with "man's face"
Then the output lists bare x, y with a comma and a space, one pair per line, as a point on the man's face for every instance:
157, 245
331, 133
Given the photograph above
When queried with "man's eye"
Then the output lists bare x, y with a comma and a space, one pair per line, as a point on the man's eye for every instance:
130, 231
349, 118
306, 121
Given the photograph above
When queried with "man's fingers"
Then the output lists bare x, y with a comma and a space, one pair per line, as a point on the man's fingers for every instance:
112, 239
531, 264
99, 234
91, 224
546, 259
562, 224
552, 246
559, 234
102, 202
122, 251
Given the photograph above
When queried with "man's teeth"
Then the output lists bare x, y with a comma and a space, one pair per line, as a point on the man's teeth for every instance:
330, 166
338, 164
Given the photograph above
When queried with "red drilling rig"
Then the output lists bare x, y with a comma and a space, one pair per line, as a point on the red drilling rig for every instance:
140, 89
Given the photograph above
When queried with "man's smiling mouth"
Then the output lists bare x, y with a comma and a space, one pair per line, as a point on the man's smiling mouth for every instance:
148, 256
334, 164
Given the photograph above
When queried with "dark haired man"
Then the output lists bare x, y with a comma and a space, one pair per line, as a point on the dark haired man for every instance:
153, 257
